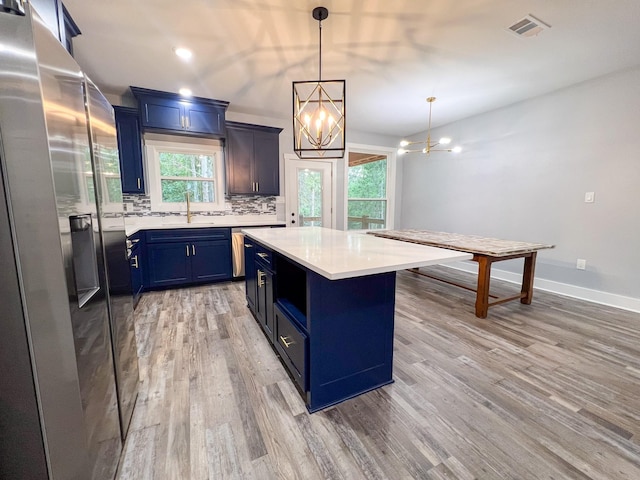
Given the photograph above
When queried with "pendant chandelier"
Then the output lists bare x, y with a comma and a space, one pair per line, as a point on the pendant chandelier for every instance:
429, 146
319, 111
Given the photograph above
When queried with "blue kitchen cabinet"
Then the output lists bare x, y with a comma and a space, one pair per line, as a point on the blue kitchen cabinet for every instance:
188, 256
210, 261
169, 264
135, 244
57, 19
266, 150
171, 113
250, 274
259, 279
335, 337
265, 273
130, 149
252, 159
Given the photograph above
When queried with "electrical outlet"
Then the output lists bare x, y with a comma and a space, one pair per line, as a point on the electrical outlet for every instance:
265, 207
581, 264
589, 197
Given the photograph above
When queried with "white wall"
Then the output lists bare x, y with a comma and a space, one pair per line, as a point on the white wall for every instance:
523, 175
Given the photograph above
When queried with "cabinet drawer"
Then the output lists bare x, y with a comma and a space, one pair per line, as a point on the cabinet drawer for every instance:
188, 234
292, 344
263, 255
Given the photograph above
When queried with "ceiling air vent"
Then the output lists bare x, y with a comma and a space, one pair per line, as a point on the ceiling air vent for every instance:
529, 26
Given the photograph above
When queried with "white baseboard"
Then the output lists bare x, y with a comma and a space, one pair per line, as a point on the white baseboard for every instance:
581, 293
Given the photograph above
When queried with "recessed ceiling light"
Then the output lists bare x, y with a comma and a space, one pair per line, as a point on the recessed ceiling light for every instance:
183, 53
185, 92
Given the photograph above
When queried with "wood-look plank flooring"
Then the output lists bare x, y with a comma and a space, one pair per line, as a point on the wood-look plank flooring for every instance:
543, 391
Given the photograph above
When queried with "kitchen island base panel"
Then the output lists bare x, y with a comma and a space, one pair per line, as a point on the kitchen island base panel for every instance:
350, 325
356, 394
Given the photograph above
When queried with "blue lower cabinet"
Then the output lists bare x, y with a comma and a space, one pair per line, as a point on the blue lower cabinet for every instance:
250, 274
335, 337
210, 261
259, 282
168, 264
137, 274
187, 256
292, 344
264, 294
136, 252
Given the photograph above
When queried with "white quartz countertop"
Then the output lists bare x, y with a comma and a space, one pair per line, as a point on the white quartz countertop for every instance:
134, 225
337, 254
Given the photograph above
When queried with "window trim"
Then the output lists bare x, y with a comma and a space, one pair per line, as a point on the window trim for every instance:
390, 187
152, 149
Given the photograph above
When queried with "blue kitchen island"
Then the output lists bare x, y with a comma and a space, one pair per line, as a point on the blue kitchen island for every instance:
325, 300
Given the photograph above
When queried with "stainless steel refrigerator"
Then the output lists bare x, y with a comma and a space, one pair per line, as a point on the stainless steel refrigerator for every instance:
68, 363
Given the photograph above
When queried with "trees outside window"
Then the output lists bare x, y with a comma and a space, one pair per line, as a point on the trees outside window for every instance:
181, 173
310, 198
367, 194
176, 169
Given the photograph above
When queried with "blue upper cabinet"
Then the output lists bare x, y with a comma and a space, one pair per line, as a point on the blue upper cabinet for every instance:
57, 19
170, 113
252, 159
130, 148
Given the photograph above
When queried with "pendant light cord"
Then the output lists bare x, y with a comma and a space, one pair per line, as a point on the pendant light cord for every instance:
320, 50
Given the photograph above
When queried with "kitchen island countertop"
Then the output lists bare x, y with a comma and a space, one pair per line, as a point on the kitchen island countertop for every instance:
337, 254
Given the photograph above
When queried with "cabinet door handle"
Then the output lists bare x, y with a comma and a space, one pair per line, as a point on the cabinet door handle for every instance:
193, 250
263, 255
135, 261
261, 276
257, 186
187, 124
248, 245
138, 183
181, 121
286, 342
187, 250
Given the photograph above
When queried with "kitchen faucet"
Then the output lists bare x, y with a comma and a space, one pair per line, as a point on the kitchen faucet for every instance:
188, 208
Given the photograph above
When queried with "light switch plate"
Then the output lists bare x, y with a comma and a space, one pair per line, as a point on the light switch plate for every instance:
589, 197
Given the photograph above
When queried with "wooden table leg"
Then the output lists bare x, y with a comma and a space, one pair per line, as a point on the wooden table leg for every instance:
482, 295
527, 278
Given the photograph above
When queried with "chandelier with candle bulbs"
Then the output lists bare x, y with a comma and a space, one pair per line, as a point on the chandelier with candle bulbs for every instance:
429, 145
319, 111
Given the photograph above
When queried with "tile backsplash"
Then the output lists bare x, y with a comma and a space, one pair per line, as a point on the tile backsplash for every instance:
140, 206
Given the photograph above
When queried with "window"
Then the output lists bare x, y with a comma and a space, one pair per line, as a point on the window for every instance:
367, 197
177, 169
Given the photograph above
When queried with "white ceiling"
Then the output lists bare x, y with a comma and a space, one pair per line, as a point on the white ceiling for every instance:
392, 54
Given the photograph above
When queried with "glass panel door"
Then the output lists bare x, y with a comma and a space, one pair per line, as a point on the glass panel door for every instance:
308, 193
309, 197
